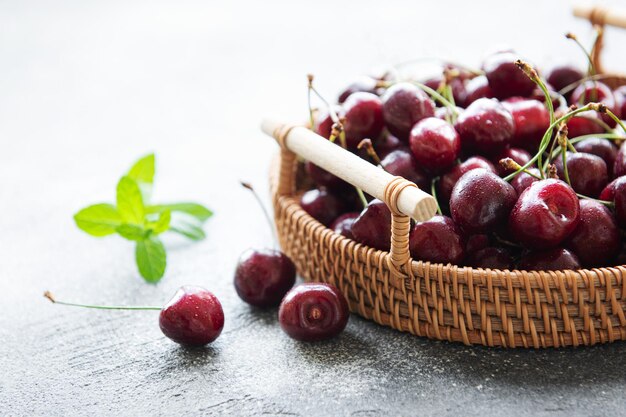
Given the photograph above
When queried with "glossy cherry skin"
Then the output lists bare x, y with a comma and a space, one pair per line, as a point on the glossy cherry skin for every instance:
313, 311
620, 200
481, 201
563, 75
388, 143
531, 119
435, 144
518, 155
456, 84
544, 214
523, 180
193, 317
373, 226
485, 127
322, 205
619, 166
444, 113
402, 163
596, 239
447, 181
437, 240
263, 277
596, 91
556, 259
475, 243
580, 126
490, 257
599, 147
587, 173
404, 104
323, 178
324, 122
608, 193
620, 99
365, 84
477, 87
505, 79
343, 224
363, 114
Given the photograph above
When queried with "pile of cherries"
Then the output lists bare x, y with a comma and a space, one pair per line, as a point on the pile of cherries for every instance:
528, 175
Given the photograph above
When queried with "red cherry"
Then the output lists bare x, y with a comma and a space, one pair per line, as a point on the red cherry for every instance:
313, 311
404, 104
619, 166
596, 91
435, 144
364, 84
388, 143
563, 75
343, 224
620, 100
587, 173
373, 226
193, 317
323, 178
608, 193
556, 259
490, 257
364, 117
531, 119
505, 79
523, 180
481, 201
545, 214
324, 122
402, 163
436, 240
599, 147
518, 155
596, 239
445, 113
477, 87
485, 127
580, 126
447, 181
620, 200
322, 205
475, 243
456, 84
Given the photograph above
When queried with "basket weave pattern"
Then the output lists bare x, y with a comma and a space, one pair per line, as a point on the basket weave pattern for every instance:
446, 302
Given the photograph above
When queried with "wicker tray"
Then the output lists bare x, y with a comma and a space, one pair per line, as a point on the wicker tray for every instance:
447, 302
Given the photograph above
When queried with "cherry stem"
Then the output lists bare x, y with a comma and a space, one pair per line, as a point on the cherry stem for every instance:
361, 196
591, 69
606, 203
575, 84
433, 192
308, 97
369, 148
546, 137
50, 297
270, 223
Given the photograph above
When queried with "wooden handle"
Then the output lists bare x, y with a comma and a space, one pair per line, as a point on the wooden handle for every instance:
599, 15
411, 201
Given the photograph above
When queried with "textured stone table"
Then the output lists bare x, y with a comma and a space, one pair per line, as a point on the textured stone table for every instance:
87, 87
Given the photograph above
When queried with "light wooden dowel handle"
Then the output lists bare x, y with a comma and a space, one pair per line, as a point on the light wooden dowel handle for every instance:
601, 15
411, 201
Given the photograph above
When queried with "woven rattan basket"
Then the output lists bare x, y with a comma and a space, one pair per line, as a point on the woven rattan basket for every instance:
446, 302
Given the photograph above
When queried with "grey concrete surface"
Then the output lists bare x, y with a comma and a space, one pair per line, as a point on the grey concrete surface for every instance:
86, 87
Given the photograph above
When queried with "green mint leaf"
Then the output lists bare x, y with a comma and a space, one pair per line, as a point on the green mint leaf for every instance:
193, 209
163, 222
151, 258
143, 170
131, 231
188, 227
130, 201
98, 220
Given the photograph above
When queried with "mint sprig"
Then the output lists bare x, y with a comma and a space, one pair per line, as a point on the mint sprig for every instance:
135, 219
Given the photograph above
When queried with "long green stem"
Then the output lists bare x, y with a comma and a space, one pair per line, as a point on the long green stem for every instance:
433, 191
270, 223
591, 70
606, 203
50, 297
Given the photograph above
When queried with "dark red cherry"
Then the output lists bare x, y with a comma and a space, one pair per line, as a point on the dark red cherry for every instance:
523, 180
563, 75
263, 277
343, 224
596, 239
545, 214
485, 127
531, 119
619, 166
475, 243
404, 104
313, 311
436, 240
620, 200
456, 84
435, 144
599, 147
404, 164
505, 79
323, 178
388, 143
364, 117
518, 155
587, 124
444, 113
596, 91
620, 100
477, 87
481, 201
364, 84
538, 95
490, 257
324, 122
193, 317
608, 193
322, 205
447, 181
373, 226
556, 259
587, 173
